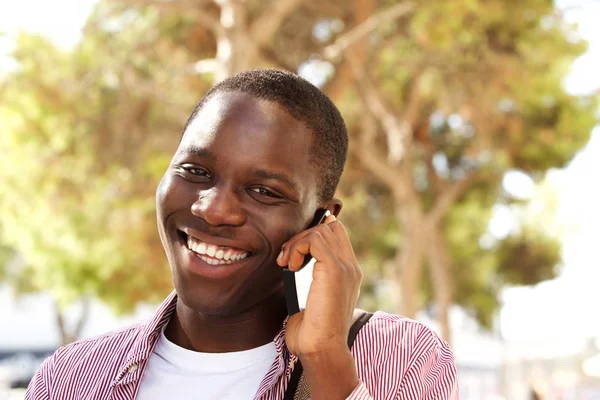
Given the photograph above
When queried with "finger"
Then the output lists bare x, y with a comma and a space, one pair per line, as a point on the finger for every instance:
313, 244
342, 237
284, 252
285, 256
329, 236
343, 241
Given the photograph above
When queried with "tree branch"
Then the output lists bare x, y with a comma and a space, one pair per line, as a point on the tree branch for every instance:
449, 195
397, 178
343, 77
371, 159
398, 131
267, 24
345, 41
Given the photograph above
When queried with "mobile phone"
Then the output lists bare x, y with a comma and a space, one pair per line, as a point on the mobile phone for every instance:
289, 277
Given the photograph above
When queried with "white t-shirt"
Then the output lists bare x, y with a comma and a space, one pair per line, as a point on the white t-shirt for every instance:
177, 373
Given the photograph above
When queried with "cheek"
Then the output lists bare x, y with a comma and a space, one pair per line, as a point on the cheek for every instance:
284, 229
171, 195
161, 194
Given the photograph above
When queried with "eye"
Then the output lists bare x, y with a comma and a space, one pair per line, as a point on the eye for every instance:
265, 192
197, 171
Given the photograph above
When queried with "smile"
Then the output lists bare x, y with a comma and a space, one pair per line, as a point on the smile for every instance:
215, 255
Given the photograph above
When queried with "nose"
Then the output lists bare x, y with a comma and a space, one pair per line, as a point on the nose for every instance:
219, 206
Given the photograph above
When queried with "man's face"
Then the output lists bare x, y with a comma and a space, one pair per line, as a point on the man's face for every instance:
240, 185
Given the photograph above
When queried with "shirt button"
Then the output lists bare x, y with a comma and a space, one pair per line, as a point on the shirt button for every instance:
133, 368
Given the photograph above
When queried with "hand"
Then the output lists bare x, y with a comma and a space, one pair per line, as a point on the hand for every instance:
318, 335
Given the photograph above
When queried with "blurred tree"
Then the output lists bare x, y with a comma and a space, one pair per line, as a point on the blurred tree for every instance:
83, 146
447, 102
441, 99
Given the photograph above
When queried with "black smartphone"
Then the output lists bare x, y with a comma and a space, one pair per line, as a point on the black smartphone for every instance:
289, 277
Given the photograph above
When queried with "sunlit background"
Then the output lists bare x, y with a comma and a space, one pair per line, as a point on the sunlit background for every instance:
543, 337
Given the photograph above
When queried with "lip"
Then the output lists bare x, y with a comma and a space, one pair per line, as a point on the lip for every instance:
197, 266
209, 239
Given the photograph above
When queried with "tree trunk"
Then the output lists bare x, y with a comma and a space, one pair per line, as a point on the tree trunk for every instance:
232, 42
409, 257
67, 335
440, 269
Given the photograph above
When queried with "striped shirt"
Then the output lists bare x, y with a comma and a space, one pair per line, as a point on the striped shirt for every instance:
396, 358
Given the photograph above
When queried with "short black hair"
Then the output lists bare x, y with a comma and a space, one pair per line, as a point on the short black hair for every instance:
306, 103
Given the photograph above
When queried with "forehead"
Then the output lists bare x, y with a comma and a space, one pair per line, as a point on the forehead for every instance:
249, 115
248, 121
243, 131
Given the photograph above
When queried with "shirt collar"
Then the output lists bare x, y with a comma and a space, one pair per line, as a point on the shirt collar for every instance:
145, 341
150, 332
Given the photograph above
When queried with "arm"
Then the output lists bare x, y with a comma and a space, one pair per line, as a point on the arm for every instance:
318, 335
432, 376
39, 387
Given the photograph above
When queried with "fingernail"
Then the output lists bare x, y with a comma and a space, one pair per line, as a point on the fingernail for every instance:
280, 256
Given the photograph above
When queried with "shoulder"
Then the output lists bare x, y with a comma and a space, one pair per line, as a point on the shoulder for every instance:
394, 340
114, 344
397, 357
108, 350
94, 359
407, 333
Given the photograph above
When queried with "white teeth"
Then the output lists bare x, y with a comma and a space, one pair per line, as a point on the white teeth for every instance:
216, 255
211, 250
212, 261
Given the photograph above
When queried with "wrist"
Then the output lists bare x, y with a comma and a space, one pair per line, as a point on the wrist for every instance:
323, 349
331, 372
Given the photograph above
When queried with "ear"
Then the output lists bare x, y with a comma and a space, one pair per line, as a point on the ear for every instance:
335, 206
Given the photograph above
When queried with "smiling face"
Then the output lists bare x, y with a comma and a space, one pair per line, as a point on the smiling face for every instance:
240, 184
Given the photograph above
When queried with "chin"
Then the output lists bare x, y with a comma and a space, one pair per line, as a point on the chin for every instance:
206, 300
209, 299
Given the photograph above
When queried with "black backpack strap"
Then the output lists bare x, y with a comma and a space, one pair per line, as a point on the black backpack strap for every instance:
297, 388
361, 317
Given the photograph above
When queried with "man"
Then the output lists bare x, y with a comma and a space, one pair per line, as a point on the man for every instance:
261, 153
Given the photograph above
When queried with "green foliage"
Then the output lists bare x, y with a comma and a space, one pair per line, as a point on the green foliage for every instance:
85, 141
474, 267
528, 258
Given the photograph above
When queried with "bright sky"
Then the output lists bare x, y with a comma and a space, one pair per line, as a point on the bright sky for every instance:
566, 308
563, 308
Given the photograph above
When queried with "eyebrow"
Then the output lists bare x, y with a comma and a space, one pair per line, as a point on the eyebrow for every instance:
199, 152
276, 176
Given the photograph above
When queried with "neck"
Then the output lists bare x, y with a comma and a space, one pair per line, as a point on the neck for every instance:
221, 334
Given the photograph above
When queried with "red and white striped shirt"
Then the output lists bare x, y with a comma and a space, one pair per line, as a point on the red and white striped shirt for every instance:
396, 358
